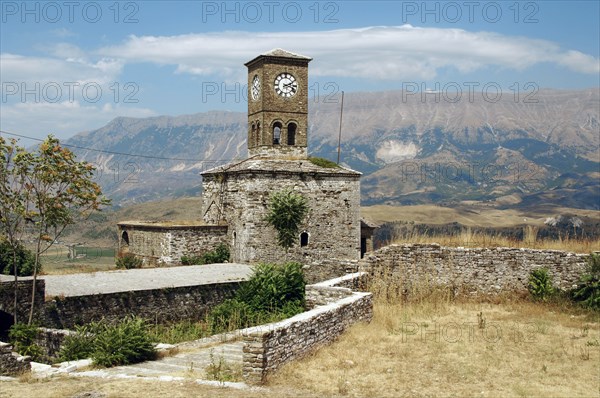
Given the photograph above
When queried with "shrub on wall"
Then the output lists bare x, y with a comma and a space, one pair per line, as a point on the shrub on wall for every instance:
587, 291
108, 345
219, 255
22, 336
129, 261
540, 284
322, 162
272, 293
286, 212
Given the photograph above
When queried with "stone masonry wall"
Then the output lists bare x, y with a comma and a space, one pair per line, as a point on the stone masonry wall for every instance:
268, 347
11, 363
333, 222
50, 341
474, 270
158, 305
24, 287
157, 244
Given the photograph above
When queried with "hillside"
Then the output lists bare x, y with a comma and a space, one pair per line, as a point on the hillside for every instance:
510, 153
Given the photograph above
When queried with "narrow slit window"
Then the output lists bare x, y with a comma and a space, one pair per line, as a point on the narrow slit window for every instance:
304, 239
291, 134
277, 133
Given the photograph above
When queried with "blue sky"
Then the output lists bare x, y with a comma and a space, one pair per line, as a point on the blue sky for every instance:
71, 66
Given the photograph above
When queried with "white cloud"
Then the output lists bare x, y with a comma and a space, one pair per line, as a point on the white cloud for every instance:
380, 52
71, 67
62, 119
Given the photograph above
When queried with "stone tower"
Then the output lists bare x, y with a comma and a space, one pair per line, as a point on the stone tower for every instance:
278, 105
238, 194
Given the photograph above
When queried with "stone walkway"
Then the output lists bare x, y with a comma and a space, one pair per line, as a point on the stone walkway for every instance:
190, 361
141, 279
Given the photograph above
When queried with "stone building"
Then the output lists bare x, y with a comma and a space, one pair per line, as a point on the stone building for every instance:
236, 196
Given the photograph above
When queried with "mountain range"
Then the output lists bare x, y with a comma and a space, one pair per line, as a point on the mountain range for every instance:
412, 149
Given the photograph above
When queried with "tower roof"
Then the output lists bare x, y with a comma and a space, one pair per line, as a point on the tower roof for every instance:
280, 53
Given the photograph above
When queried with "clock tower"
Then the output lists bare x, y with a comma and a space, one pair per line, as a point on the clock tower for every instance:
278, 105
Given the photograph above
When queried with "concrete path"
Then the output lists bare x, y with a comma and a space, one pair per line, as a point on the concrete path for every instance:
141, 279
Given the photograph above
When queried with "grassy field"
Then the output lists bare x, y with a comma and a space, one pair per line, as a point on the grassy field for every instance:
56, 262
430, 346
467, 238
475, 215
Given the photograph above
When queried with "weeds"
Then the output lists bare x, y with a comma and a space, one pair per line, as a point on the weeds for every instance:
222, 371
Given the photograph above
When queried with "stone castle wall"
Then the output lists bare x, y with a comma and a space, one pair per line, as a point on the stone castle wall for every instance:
158, 305
158, 244
332, 224
24, 290
473, 270
268, 347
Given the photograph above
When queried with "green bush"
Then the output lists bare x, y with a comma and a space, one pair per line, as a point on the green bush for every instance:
25, 260
190, 260
272, 286
219, 255
322, 162
540, 284
230, 315
286, 212
129, 261
122, 344
79, 345
108, 345
272, 293
22, 336
587, 291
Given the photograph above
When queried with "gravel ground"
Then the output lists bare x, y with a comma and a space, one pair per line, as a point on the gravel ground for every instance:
141, 279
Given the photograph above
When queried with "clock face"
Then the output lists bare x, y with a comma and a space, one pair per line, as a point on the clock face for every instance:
285, 85
255, 89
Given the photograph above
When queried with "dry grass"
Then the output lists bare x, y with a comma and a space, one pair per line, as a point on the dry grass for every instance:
431, 345
434, 346
467, 238
470, 214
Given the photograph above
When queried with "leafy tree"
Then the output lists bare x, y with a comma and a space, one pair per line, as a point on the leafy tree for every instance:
13, 167
25, 259
286, 212
49, 189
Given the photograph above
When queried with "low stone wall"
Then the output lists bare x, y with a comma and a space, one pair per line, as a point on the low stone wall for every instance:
24, 288
158, 305
11, 363
50, 341
473, 270
268, 347
329, 268
164, 244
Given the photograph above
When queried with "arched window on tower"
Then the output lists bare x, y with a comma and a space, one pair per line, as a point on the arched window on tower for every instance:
304, 239
291, 134
277, 133
258, 139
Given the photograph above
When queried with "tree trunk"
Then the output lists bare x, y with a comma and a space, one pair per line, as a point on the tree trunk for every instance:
15, 269
35, 268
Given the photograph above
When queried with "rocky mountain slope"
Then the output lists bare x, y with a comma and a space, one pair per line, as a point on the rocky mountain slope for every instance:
412, 149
